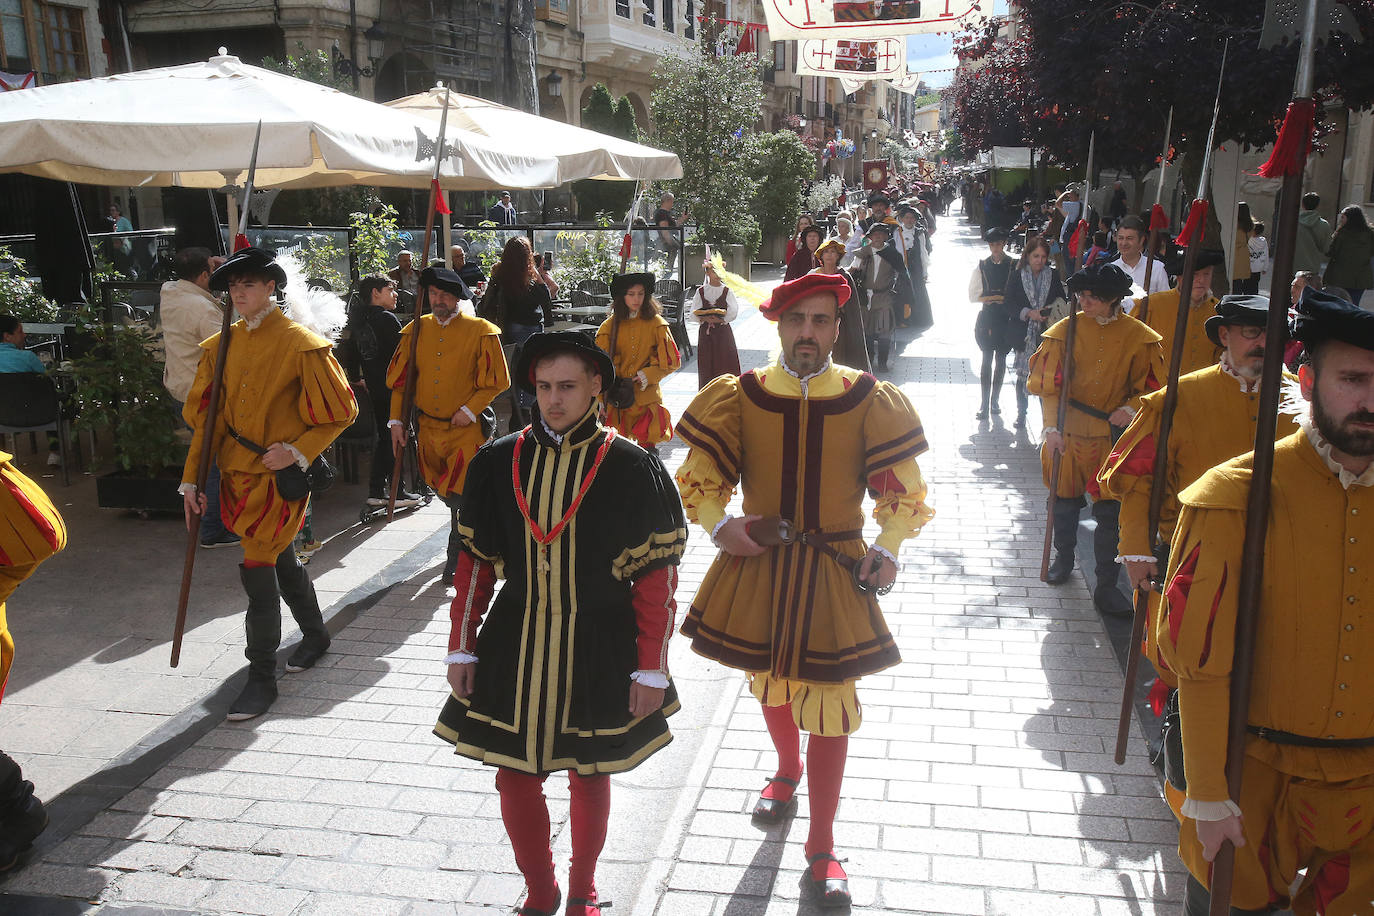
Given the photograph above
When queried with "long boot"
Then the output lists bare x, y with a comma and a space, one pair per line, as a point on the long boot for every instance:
262, 626
451, 562
1106, 596
998, 376
1022, 402
299, 593
1065, 538
22, 816
525, 814
884, 351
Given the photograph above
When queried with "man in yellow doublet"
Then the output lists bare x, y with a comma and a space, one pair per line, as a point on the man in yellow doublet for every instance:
806, 439
1214, 421
283, 400
1307, 792
1117, 360
460, 370
1160, 312
31, 530
643, 350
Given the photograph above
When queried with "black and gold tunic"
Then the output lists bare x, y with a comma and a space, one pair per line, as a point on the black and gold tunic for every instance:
558, 647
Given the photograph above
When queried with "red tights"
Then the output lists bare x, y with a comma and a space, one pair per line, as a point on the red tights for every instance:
526, 816
825, 759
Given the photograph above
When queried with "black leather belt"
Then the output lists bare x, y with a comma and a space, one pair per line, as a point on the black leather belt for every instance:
1275, 736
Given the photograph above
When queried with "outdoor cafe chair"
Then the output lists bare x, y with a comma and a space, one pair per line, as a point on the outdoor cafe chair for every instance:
29, 404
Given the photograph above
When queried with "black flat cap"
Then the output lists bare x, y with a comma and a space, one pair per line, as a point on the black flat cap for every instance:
442, 278
1206, 257
1321, 316
247, 260
1105, 281
552, 343
885, 228
1237, 310
995, 234
622, 282
879, 198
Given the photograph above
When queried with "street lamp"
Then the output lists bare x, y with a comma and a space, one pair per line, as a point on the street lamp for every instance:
347, 67
554, 81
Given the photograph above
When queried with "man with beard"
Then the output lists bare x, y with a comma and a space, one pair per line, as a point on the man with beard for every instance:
789, 598
460, 370
1160, 312
1214, 421
1308, 781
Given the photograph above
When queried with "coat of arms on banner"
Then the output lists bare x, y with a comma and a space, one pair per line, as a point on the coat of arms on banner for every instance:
864, 18
883, 58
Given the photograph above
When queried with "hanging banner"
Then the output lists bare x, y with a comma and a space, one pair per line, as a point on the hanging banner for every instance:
880, 58
875, 174
869, 18
12, 81
908, 83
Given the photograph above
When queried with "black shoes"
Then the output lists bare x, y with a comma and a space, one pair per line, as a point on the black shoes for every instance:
305, 656
19, 830
227, 539
773, 810
257, 697
833, 892
551, 911
1109, 600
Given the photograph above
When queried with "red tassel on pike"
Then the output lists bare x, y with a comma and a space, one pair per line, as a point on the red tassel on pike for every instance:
1294, 141
440, 198
1080, 232
626, 246
1197, 218
240, 242
1158, 218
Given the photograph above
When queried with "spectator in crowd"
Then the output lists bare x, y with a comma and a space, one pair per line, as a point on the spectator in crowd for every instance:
545, 267
404, 275
502, 213
803, 259
1313, 237
1260, 262
803, 223
1240, 250
1131, 238
468, 271
13, 356
1034, 301
1352, 247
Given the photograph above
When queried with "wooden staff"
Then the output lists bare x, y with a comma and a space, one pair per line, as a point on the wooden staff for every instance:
421, 304
207, 431
1058, 459
1197, 216
1288, 161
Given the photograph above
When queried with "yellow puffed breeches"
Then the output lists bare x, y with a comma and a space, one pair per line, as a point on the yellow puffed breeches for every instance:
828, 710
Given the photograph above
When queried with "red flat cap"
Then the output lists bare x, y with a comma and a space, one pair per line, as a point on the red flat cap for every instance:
788, 294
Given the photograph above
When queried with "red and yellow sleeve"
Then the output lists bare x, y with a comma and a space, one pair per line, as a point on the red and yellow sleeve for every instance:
1047, 377
396, 371
1127, 476
1149, 372
652, 596
707, 479
894, 438
197, 405
491, 375
1196, 631
474, 583
326, 403
665, 359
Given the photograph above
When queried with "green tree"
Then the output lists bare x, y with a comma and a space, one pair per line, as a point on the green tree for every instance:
782, 163
312, 65
705, 109
373, 235
605, 115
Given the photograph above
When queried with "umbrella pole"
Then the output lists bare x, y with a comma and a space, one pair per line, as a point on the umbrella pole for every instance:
232, 212
447, 254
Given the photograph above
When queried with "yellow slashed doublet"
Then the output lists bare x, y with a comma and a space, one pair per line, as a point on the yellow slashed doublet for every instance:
1303, 807
460, 365
1161, 314
642, 345
281, 384
806, 451
1214, 422
1115, 363
31, 530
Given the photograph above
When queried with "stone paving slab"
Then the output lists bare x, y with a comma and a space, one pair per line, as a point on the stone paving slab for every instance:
981, 782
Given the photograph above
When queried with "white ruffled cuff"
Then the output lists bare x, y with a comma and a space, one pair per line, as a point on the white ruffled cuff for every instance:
887, 554
658, 679
1209, 811
459, 658
298, 455
468, 410
1132, 558
186, 488
642, 379
391, 423
716, 530
1046, 430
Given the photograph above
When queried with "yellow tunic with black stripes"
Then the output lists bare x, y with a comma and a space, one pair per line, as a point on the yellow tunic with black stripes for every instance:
31, 530
460, 365
281, 384
805, 449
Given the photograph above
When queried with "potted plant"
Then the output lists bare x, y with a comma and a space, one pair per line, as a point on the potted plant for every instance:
118, 388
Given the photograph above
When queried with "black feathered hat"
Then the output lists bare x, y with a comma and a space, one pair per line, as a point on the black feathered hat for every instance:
441, 277
551, 343
248, 261
1105, 281
622, 282
1237, 310
1206, 257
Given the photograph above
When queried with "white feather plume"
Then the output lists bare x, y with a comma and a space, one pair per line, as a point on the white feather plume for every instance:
1291, 401
317, 309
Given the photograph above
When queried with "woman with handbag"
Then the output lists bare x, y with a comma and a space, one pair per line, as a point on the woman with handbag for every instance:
641, 346
1033, 300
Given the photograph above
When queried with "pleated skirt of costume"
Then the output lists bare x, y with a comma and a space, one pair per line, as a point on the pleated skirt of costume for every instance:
717, 354
921, 314
251, 507
1083, 456
648, 424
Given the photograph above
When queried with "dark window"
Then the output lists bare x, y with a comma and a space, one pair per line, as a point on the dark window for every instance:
622, 8
779, 56
648, 12
668, 24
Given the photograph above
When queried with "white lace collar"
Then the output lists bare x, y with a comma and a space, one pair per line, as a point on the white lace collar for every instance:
548, 430
444, 322
1249, 386
1323, 449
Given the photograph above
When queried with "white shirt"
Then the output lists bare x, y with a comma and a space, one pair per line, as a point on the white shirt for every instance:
709, 292
1159, 277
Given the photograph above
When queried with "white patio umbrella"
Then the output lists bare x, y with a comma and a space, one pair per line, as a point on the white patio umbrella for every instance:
193, 125
581, 153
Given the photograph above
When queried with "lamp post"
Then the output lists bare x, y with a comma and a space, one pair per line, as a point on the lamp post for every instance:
347, 68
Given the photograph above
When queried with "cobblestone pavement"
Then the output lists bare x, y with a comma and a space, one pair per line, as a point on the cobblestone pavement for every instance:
981, 782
